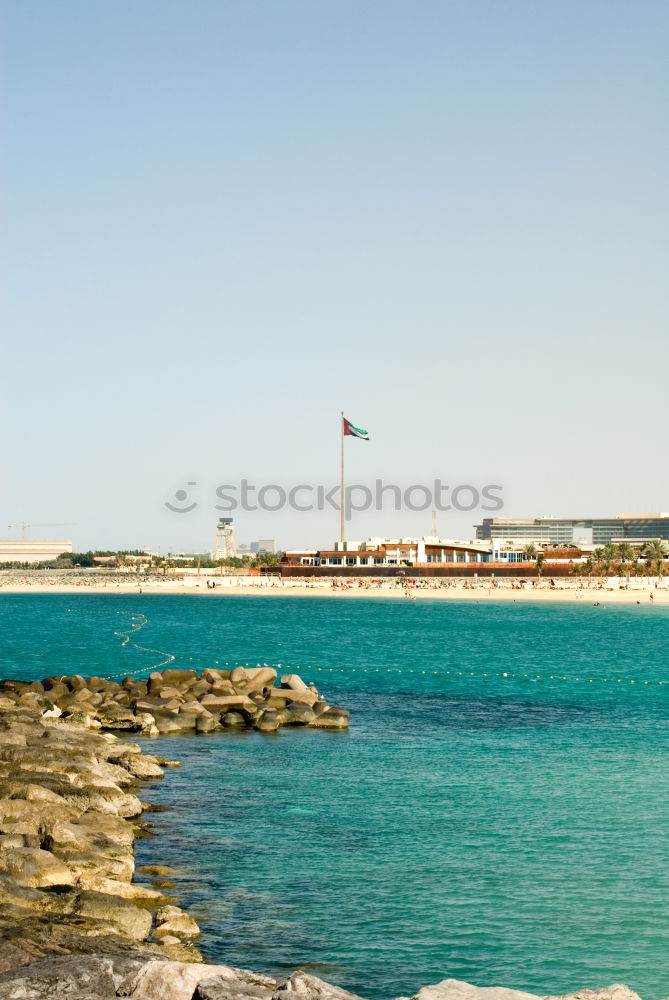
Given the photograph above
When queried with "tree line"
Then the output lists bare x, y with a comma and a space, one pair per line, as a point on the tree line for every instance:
620, 559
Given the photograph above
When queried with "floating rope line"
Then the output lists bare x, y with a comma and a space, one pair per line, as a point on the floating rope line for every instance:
501, 674
487, 675
138, 621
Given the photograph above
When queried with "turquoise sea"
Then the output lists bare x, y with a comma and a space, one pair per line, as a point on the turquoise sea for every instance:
503, 830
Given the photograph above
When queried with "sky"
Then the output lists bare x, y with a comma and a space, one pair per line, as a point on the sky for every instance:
223, 223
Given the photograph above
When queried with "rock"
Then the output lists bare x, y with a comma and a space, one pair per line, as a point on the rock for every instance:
305, 697
294, 682
168, 692
75, 976
179, 981
226, 701
311, 988
233, 720
10, 840
154, 683
178, 677
298, 715
131, 920
167, 722
13, 895
52, 713
198, 689
140, 895
223, 687
615, 992
117, 717
147, 724
333, 718
142, 765
206, 723
244, 986
35, 868
268, 721
171, 921
259, 679
455, 989
215, 676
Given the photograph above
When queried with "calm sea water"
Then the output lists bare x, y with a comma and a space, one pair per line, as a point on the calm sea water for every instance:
500, 830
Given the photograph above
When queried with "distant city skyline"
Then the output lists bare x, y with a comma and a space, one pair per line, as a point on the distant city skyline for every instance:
223, 224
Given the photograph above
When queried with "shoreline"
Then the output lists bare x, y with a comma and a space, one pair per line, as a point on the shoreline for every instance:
635, 594
79, 917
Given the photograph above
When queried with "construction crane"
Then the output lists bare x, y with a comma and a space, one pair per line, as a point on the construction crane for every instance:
24, 525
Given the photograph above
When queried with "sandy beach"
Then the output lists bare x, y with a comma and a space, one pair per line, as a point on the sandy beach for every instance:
613, 592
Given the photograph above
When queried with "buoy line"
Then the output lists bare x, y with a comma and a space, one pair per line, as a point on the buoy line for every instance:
138, 621
488, 675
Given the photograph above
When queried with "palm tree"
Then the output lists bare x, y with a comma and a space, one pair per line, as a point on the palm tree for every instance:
530, 552
626, 555
601, 562
610, 552
635, 567
654, 553
540, 562
589, 568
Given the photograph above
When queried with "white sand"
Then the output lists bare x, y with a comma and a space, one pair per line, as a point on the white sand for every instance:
565, 590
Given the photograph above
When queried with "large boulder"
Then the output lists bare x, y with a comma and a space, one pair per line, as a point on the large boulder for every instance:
179, 980
303, 697
298, 715
293, 681
243, 987
171, 921
206, 722
34, 868
268, 721
114, 716
233, 720
300, 984
615, 992
75, 976
333, 718
456, 989
131, 920
259, 679
179, 678
140, 895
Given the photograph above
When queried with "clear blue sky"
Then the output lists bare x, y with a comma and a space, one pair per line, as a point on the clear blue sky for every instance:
225, 222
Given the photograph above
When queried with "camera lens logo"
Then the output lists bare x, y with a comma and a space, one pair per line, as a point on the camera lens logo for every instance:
182, 496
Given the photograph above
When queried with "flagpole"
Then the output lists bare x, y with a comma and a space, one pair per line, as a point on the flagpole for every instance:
342, 479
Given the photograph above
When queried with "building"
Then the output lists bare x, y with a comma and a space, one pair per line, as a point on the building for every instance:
379, 552
29, 550
556, 531
262, 546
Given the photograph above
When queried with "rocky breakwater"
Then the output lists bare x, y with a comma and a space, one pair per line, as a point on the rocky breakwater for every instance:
73, 923
174, 700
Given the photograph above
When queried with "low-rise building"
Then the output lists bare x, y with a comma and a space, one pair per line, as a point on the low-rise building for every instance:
379, 552
33, 550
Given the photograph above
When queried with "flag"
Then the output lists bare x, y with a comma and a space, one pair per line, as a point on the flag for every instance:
356, 432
